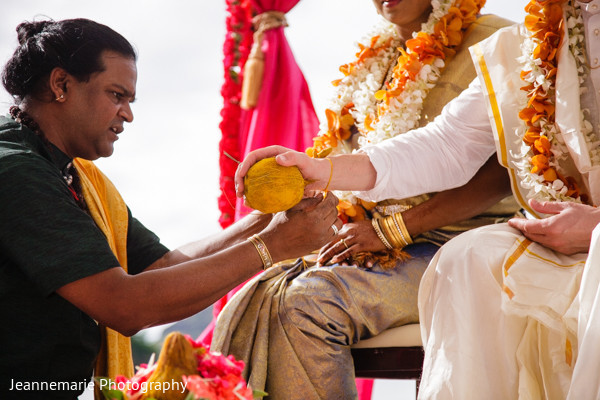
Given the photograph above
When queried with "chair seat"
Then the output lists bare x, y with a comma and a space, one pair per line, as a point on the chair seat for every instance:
396, 353
401, 336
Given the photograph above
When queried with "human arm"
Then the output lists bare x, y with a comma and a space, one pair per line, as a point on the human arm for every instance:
54, 247
236, 233
490, 185
348, 171
128, 303
443, 155
567, 230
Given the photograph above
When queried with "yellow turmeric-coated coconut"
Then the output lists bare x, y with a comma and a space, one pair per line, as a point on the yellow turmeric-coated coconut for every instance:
177, 358
270, 187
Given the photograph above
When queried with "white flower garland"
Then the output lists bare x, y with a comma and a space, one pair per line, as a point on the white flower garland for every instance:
533, 181
360, 87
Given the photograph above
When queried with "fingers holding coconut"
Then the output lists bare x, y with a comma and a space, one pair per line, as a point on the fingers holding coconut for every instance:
315, 172
309, 203
270, 188
252, 158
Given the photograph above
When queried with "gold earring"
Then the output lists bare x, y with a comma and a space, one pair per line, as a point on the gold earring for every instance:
61, 97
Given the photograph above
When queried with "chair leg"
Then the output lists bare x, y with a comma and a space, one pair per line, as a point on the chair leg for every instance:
418, 383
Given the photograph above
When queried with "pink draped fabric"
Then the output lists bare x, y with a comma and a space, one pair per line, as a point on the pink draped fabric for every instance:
284, 113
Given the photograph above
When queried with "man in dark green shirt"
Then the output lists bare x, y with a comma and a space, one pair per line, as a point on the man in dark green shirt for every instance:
73, 82
48, 241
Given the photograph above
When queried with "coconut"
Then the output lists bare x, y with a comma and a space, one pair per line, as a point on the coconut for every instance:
270, 187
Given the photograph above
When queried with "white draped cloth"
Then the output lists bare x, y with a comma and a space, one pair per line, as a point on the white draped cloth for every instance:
502, 317
499, 319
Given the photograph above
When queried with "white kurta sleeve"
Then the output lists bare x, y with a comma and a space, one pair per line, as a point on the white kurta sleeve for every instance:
442, 155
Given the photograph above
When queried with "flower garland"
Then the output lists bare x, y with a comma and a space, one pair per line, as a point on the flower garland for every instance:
236, 48
378, 114
382, 114
543, 146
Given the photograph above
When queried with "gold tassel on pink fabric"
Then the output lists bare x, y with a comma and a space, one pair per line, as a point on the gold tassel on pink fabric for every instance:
255, 66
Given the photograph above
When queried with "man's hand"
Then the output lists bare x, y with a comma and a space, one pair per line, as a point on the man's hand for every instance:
567, 230
303, 228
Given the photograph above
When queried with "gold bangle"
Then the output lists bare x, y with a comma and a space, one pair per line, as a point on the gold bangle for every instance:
385, 230
399, 221
394, 234
380, 234
330, 174
263, 252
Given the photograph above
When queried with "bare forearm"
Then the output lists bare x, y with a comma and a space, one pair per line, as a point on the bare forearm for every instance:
128, 303
207, 279
236, 233
490, 185
351, 172
133, 302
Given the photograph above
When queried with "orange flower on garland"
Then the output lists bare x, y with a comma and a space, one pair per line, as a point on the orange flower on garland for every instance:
425, 48
338, 128
545, 22
360, 107
365, 52
437, 41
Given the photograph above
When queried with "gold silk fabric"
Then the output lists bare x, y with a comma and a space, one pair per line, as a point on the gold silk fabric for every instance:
109, 212
293, 326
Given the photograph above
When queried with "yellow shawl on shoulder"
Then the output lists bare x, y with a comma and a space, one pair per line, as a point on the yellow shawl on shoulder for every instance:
109, 212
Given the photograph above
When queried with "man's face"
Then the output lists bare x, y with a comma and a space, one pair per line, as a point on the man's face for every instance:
99, 107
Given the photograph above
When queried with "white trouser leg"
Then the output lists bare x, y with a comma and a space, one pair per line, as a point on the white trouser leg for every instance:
470, 344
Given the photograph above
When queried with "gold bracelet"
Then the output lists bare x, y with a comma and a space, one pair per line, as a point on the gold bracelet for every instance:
263, 252
399, 221
380, 234
383, 226
393, 233
399, 230
330, 174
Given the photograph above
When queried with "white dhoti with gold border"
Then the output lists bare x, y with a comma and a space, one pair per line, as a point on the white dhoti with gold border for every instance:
503, 317
499, 318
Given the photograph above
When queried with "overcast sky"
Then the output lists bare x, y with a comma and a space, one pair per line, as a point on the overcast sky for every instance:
165, 163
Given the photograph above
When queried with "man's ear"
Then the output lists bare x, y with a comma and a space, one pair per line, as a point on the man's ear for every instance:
58, 82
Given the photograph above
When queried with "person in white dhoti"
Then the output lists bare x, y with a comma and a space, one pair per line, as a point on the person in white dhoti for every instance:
508, 311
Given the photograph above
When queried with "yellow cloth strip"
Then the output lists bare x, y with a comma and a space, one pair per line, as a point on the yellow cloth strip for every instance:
492, 98
109, 212
493, 102
515, 255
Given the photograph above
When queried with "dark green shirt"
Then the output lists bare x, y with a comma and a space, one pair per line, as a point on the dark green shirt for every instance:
46, 242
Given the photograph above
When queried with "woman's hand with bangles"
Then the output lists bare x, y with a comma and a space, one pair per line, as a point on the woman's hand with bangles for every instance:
354, 237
